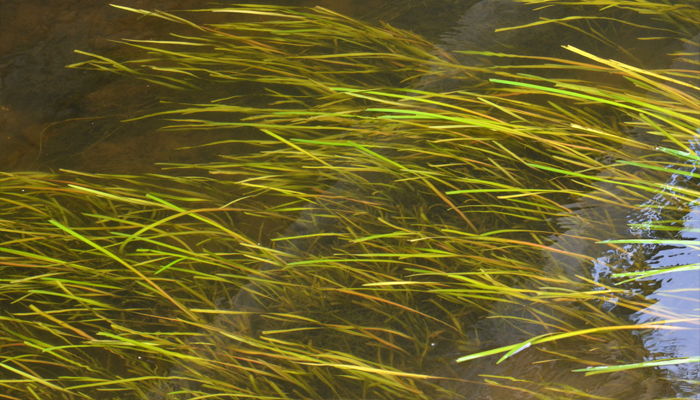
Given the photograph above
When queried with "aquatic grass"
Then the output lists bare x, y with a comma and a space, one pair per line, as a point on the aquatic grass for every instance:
681, 15
645, 274
152, 352
647, 364
90, 298
376, 234
513, 349
271, 51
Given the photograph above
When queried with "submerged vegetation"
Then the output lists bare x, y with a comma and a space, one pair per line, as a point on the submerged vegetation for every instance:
407, 225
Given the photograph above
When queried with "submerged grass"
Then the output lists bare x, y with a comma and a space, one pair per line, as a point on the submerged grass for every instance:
381, 231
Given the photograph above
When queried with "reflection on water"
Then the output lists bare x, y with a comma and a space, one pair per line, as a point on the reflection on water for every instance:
677, 292
94, 104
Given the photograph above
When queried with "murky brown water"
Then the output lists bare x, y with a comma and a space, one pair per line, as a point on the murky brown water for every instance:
52, 117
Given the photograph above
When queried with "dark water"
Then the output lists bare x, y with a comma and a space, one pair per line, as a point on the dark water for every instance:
52, 117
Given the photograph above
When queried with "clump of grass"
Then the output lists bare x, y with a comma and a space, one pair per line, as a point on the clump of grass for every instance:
380, 232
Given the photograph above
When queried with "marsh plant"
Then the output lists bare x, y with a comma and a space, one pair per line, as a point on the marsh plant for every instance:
406, 225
